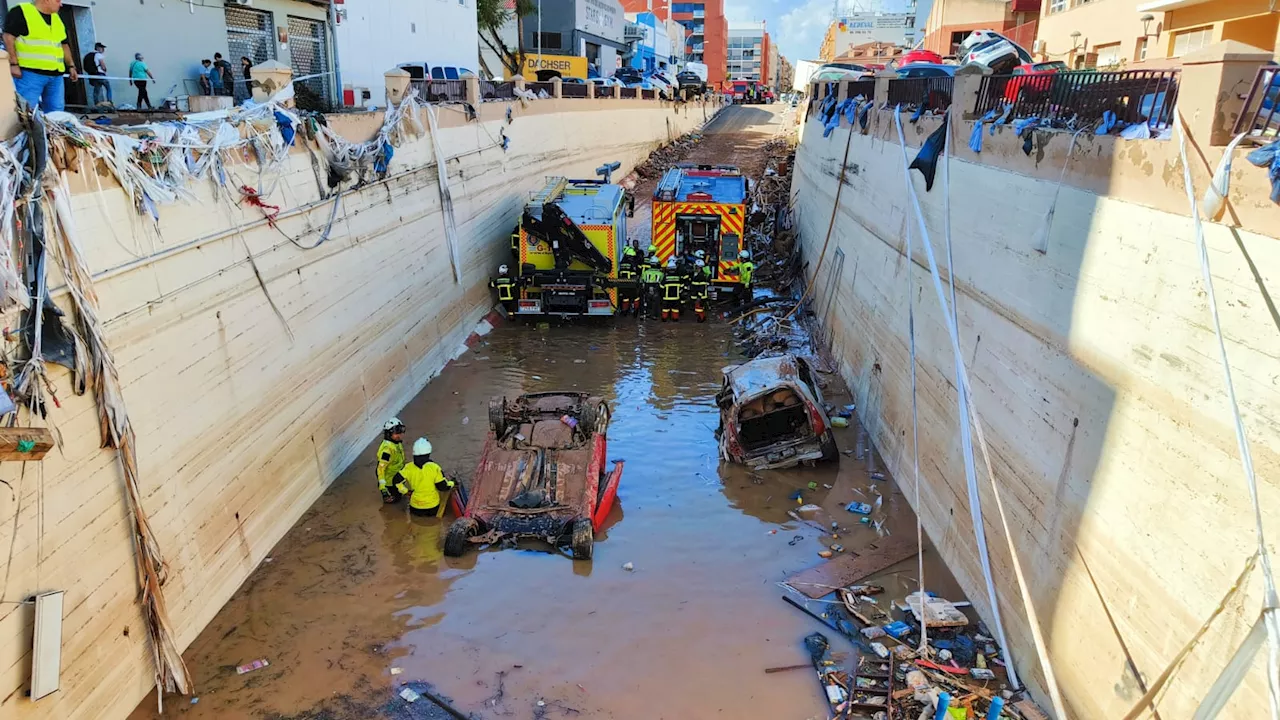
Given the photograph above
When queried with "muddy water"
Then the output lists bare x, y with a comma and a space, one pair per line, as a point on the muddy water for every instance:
358, 589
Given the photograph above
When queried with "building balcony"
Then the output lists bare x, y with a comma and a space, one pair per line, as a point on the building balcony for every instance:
1031, 6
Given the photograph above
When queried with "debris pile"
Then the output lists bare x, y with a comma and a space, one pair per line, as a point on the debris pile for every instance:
665, 157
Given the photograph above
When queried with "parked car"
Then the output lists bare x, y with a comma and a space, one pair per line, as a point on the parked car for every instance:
923, 69
920, 56
772, 414
992, 50
1031, 81
425, 71
628, 75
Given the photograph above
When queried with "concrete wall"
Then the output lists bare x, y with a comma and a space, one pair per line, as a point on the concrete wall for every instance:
377, 35
239, 427
1096, 375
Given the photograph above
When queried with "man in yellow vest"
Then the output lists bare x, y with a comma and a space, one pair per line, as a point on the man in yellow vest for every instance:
745, 269
390, 459
39, 53
423, 481
672, 292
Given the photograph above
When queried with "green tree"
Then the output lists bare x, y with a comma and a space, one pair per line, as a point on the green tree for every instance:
491, 15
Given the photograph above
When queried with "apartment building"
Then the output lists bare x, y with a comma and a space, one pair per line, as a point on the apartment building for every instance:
950, 21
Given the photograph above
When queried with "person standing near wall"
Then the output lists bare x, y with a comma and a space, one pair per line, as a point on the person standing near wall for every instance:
140, 74
225, 72
39, 53
95, 63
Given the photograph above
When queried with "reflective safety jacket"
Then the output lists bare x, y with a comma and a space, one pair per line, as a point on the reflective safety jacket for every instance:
41, 47
745, 269
650, 275
698, 285
505, 286
390, 461
422, 485
626, 272
672, 286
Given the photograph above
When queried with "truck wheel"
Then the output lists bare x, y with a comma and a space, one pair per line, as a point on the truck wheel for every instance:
459, 536
584, 539
829, 450
498, 416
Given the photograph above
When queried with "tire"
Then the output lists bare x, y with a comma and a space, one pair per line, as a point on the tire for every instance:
498, 416
584, 539
457, 539
829, 450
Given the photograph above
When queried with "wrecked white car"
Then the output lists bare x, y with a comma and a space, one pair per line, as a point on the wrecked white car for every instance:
772, 414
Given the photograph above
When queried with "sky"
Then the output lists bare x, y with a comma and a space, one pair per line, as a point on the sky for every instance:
797, 26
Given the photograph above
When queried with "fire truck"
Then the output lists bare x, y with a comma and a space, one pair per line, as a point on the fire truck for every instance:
571, 237
702, 207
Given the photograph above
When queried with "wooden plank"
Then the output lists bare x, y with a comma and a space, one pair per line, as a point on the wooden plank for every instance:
12, 437
848, 569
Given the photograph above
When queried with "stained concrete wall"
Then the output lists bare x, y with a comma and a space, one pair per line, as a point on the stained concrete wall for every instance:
239, 426
1096, 375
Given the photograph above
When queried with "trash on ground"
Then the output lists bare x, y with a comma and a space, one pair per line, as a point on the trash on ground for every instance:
859, 507
850, 568
409, 695
396, 671
629, 567
840, 422
250, 667
939, 612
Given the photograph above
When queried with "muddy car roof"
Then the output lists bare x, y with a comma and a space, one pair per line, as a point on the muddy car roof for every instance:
762, 374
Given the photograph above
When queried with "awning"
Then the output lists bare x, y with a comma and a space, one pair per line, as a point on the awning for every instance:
1166, 5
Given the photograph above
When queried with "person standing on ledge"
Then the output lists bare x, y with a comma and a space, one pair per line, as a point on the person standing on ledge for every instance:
39, 53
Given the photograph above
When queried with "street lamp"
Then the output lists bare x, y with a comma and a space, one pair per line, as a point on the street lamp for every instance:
1146, 23
1075, 40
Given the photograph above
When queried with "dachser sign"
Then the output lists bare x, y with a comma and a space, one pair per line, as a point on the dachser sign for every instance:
566, 65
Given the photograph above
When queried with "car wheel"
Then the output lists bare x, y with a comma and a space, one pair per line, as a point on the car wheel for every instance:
584, 539
459, 536
829, 450
498, 416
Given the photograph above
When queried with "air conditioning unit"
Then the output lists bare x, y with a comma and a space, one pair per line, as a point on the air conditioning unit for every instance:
239, 2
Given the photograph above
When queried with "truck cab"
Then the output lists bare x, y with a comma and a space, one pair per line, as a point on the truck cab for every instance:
702, 207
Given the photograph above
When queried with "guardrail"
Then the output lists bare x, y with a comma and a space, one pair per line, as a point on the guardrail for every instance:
648, 94
441, 90
1259, 119
865, 87
627, 92
490, 90
1084, 95
536, 87
573, 90
931, 93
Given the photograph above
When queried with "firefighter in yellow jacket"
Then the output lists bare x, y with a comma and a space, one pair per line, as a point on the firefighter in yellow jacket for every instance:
390, 458
506, 287
672, 292
423, 481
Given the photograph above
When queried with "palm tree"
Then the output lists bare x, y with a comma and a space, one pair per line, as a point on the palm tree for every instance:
491, 16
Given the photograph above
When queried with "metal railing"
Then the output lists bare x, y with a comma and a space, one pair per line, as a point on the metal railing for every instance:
1260, 117
627, 92
547, 87
648, 94
441, 90
497, 90
573, 90
931, 93
1084, 95
865, 87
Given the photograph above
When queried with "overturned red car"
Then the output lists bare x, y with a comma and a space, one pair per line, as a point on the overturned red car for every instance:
542, 475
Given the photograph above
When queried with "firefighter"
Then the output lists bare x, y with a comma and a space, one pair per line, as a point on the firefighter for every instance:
628, 279
698, 283
745, 269
423, 481
672, 290
506, 287
651, 282
390, 458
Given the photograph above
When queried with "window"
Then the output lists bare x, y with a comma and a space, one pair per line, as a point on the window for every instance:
550, 41
1141, 52
1109, 56
1056, 6
1191, 40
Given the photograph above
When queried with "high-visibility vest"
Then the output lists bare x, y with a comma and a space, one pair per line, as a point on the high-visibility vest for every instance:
672, 284
626, 272
651, 275
699, 287
744, 271
506, 288
390, 461
41, 47
420, 485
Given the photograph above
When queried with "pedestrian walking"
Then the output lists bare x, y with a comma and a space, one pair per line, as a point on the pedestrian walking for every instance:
140, 74
39, 53
226, 73
246, 65
95, 63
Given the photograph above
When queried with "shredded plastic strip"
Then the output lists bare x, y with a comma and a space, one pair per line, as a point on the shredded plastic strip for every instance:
1270, 603
446, 198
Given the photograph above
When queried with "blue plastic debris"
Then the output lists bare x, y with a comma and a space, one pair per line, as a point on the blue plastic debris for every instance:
286, 128
975, 138
862, 118
927, 159
860, 508
916, 115
1268, 156
897, 629
1108, 123
383, 161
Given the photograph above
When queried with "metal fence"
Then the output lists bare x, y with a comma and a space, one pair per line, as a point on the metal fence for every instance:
441, 90
1084, 95
309, 58
627, 92
1259, 118
497, 90
648, 94
931, 93
865, 88
573, 90
535, 87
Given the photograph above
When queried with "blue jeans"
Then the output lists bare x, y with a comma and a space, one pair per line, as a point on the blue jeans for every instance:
43, 90
101, 87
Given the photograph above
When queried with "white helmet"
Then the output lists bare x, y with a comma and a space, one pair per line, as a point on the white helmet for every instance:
502, 269
671, 264
421, 446
699, 263
744, 255
392, 424
700, 254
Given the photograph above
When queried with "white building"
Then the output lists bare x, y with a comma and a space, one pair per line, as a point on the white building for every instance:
746, 60
377, 35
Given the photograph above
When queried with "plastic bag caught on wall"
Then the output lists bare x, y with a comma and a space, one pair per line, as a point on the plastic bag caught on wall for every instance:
1268, 156
927, 159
